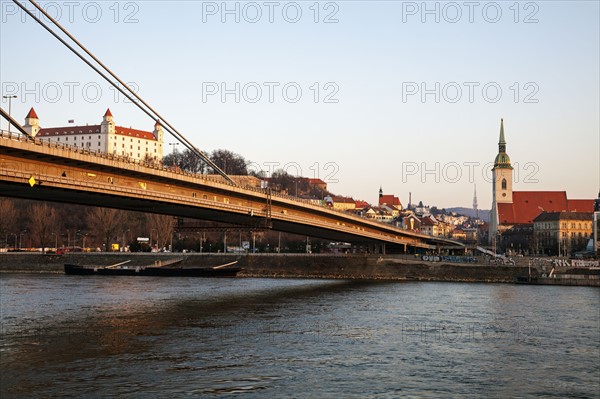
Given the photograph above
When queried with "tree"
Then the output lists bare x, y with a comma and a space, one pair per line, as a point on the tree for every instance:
229, 162
164, 226
186, 160
105, 222
8, 217
43, 221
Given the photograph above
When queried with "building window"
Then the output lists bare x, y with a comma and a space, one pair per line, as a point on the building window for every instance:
75, 138
98, 144
503, 184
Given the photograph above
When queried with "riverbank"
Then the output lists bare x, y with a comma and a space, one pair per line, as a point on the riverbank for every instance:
308, 266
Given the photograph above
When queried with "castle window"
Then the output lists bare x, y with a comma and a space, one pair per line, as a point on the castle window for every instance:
503, 184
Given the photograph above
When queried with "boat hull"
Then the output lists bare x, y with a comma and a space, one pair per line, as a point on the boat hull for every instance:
152, 271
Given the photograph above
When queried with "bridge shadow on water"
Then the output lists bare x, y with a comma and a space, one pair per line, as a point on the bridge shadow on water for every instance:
36, 359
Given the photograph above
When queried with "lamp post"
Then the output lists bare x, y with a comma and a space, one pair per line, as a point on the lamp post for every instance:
9, 98
21, 239
156, 237
174, 146
55, 241
15, 247
123, 242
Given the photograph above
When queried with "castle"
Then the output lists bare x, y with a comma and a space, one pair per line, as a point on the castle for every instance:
106, 137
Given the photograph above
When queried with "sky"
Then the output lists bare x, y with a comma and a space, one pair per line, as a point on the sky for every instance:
399, 94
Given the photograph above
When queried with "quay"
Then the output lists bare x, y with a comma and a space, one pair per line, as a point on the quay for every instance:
334, 266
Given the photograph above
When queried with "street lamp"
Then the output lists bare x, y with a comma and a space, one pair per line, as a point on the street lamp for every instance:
15, 247
21, 239
9, 108
156, 237
55, 241
174, 146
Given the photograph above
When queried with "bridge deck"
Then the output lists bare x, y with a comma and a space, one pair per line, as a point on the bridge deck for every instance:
69, 174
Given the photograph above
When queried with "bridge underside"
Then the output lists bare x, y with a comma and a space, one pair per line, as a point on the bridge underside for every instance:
52, 194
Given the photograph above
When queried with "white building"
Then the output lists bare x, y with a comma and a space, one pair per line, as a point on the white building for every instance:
105, 137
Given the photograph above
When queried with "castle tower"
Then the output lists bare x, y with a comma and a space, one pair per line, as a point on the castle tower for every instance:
158, 131
501, 182
32, 123
108, 125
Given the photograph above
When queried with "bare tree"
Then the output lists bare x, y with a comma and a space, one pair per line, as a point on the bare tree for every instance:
105, 222
163, 225
43, 221
8, 217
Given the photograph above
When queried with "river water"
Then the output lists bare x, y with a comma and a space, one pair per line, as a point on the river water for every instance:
171, 337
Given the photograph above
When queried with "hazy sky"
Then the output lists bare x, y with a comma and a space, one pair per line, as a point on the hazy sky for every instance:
406, 95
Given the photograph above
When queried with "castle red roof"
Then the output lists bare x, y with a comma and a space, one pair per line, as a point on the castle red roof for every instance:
108, 113
127, 131
75, 130
68, 130
32, 114
527, 205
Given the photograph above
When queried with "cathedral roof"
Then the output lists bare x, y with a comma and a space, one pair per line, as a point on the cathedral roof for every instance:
527, 205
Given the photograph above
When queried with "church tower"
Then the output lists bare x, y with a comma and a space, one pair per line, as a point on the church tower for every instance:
32, 123
502, 172
502, 179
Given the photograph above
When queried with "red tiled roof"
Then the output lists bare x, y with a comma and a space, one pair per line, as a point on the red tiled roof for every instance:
361, 204
75, 130
108, 113
580, 205
389, 199
32, 114
527, 205
126, 131
68, 130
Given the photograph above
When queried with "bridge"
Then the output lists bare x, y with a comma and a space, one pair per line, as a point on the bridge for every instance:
48, 171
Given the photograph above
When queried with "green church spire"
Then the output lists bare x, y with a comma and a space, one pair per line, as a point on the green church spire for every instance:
502, 159
502, 142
